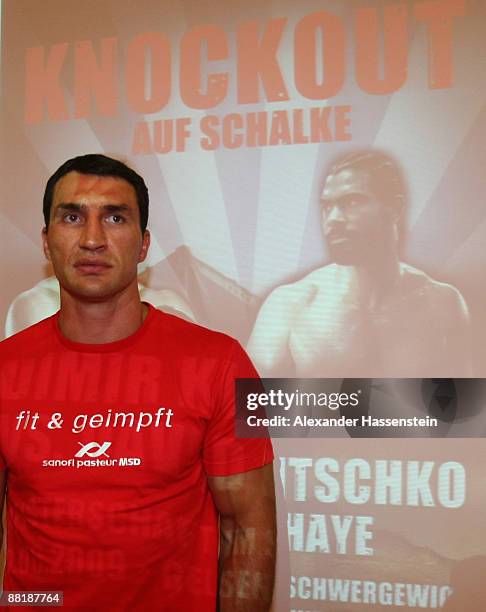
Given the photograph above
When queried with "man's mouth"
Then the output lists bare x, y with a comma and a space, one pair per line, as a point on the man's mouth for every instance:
91, 266
337, 237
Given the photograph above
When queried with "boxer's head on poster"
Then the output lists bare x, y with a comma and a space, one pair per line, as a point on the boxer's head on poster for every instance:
95, 235
361, 204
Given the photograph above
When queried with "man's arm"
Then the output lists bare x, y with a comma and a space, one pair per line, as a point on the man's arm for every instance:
457, 346
246, 504
268, 346
3, 485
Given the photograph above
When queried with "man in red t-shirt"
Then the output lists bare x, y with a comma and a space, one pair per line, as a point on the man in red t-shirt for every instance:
117, 447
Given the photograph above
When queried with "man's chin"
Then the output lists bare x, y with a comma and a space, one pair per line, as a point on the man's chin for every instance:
90, 291
344, 256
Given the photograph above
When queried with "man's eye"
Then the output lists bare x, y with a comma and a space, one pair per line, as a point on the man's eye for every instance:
353, 201
116, 219
71, 218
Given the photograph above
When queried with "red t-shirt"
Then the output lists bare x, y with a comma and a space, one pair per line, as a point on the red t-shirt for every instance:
108, 448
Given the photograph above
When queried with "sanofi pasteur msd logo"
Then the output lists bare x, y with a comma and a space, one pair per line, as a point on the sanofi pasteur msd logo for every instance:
93, 455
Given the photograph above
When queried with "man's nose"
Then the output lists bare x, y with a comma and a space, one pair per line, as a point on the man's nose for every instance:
93, 236
335, 215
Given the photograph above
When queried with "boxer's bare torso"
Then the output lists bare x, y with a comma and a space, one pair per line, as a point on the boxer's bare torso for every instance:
332, 324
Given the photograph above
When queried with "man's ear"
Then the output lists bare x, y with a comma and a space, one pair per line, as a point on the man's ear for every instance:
45, 246
145, 246
397, 208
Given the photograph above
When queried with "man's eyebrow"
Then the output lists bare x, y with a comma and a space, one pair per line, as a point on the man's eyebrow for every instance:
75, 207
343, 196
116, 208
69, 206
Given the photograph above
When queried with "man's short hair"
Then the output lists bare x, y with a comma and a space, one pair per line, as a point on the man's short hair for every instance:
99, 165
384, 172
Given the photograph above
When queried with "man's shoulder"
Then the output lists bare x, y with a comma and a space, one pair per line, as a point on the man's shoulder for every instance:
415, 279
28, 340
167, 300
303, 289
438, 295
330, 273
185, 334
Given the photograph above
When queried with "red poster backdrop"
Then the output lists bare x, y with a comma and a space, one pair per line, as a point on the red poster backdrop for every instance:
233, 113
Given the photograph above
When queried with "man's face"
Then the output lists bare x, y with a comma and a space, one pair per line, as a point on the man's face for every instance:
355, 223
94, 240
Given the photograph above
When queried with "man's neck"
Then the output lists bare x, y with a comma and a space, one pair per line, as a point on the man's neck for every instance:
377, 279
92, 322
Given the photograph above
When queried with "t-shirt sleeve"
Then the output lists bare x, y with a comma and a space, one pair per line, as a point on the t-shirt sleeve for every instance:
223, 453
3, 464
